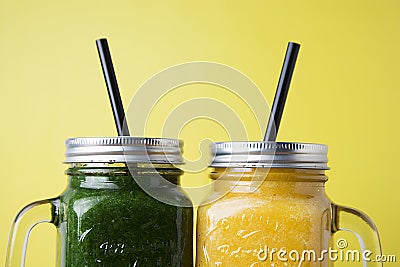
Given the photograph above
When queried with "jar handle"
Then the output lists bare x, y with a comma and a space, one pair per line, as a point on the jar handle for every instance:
358, 223
42, 211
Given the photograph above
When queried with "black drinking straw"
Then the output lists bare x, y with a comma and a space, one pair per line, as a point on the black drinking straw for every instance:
112, 86
281, 92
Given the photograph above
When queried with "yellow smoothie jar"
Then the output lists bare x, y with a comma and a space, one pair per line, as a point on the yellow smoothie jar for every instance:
269, 208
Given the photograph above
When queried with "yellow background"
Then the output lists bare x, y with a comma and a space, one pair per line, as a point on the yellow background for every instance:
344, 93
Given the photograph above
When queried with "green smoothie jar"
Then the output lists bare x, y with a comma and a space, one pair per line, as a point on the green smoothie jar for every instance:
104, 218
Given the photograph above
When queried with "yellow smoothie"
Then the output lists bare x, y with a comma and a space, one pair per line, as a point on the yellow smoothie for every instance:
287, 212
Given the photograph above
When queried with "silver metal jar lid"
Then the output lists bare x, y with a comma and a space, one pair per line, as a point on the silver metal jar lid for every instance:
123, 149
270, 155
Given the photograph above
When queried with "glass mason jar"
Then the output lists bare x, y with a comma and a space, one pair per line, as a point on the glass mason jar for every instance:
104, 218
270, 209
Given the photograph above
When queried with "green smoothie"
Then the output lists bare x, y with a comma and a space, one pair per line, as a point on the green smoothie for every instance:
106, 219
